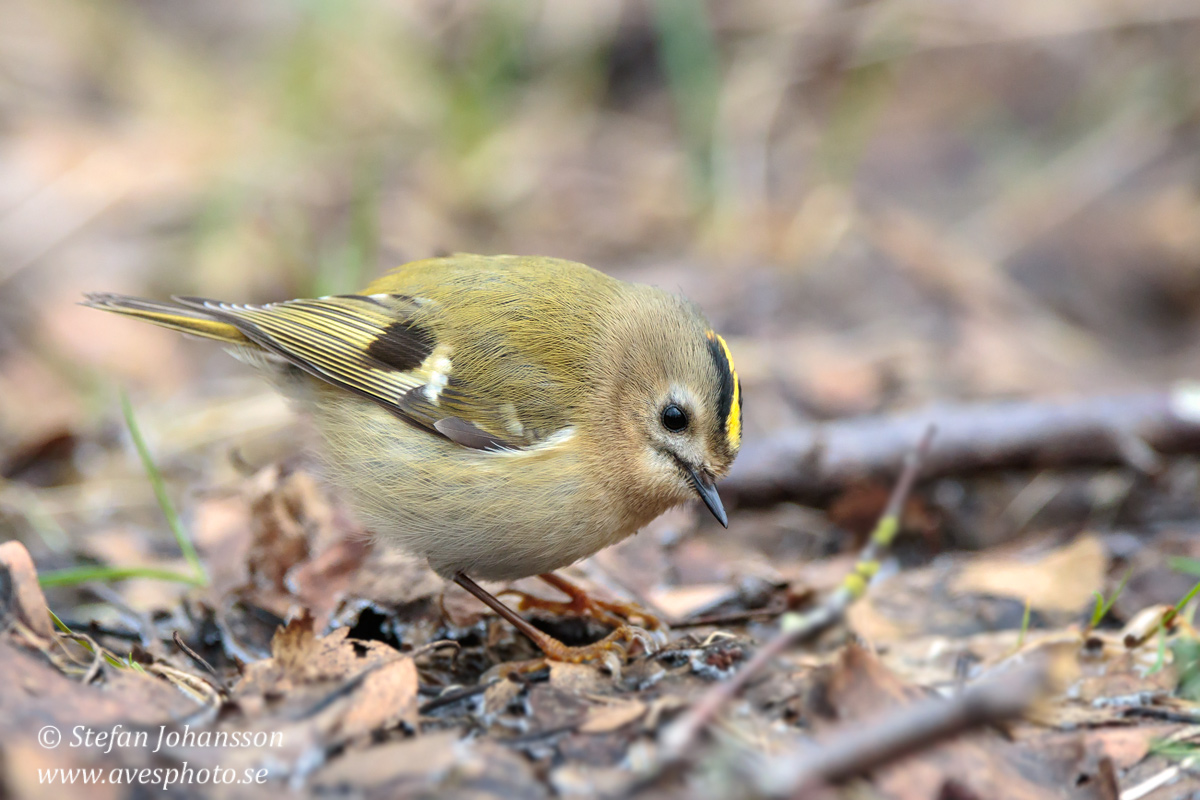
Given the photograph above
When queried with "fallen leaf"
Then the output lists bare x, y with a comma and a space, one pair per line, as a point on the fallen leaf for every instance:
287, 510
1063, 580
865, 620
433, 765
20, 593
681, 602
34, 693
422, 761
387, 696
612, 716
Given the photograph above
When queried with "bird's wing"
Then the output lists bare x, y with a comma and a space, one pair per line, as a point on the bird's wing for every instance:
379, 347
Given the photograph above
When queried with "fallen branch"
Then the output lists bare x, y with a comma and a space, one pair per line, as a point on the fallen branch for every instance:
865, 745
796, 628
813, 463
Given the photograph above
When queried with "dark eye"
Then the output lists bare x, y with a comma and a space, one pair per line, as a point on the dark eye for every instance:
674, 418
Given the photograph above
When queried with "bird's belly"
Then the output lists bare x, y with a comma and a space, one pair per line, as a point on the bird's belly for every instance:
492, 516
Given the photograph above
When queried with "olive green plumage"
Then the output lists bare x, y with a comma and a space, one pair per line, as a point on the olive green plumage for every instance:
501, 416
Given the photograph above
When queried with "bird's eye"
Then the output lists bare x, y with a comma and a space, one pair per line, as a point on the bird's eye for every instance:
674, 418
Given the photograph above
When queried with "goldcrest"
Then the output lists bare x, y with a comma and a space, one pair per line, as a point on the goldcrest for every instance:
499, 416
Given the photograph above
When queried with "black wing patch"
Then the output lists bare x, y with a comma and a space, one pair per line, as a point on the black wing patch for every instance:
403, 346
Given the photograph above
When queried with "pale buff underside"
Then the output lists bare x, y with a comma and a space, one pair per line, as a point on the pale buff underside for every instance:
468, 510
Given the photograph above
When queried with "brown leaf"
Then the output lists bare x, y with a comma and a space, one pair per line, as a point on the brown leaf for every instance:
1062, 580
305, 666
578, 679
287, 511
681, 602
432, 765
387, 696
299, 656
323, 581
395, 578
860, 685
406, 765
24, 598
612, 716
33, 694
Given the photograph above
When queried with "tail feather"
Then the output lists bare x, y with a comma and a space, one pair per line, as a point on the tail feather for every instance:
188, 319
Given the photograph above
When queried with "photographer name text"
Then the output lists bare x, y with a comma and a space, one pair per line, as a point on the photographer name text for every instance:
120, 737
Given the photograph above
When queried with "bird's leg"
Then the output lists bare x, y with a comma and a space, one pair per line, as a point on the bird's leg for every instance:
610, 613
606, 650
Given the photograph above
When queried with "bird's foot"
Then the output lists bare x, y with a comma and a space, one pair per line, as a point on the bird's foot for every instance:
614, 614
611, 650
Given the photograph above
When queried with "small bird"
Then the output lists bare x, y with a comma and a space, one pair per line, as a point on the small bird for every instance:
499, 416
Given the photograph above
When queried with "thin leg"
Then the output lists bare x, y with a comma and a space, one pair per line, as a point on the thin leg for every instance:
553, 649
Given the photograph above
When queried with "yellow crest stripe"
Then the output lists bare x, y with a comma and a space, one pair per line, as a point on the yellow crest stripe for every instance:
731, 392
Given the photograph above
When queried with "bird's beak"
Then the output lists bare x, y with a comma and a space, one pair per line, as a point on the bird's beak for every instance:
708, 493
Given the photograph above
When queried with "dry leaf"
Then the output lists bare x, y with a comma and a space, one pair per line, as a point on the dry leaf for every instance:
18, 578
681, 602
611, 716
387, 696
1062, 580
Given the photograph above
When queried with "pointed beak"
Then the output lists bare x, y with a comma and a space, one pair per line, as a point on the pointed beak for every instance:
708, 493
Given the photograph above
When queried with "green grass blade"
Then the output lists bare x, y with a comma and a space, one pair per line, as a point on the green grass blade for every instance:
1025, 620
1188, 566
62, 626
58, 623
73, 576
1187, 598
160, 492
1104, 606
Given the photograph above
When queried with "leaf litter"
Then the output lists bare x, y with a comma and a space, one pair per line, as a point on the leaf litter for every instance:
374, 677
848, 289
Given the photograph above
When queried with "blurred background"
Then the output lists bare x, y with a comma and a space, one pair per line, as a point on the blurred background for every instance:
879, 203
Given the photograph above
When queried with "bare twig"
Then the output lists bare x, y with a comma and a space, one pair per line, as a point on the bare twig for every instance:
451, 696
1159, 780
196, 657
732, 618
440, 644
797, 628
865, 745
93, 670
811, 464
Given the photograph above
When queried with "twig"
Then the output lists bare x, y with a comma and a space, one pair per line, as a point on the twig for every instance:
864, 745
454, 695
811, 464
1163, 714
1159, 780
440, 644
680, 735
199, 660
733, 617
89, 643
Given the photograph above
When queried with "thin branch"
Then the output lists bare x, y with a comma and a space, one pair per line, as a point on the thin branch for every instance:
796, 628
201, 662
865, 745
811, 464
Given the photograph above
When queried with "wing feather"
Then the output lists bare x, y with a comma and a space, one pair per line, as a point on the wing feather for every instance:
378, 347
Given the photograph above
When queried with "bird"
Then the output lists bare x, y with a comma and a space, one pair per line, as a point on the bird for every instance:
500, 416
